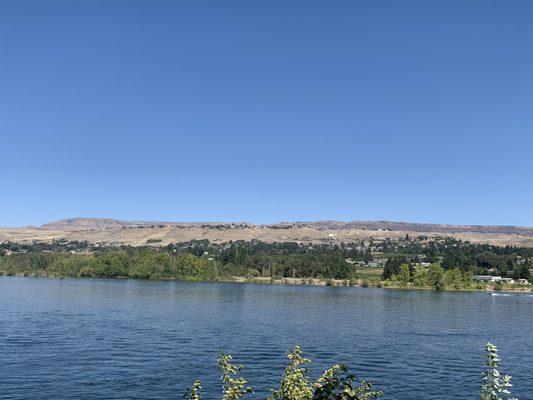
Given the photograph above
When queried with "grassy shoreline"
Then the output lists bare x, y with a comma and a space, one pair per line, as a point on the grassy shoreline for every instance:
361, 283
371, 285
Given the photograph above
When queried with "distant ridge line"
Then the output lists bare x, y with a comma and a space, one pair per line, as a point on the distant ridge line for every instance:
74, 224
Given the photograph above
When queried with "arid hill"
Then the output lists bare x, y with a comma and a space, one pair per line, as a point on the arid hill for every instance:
419, 227
84, 224
111, 231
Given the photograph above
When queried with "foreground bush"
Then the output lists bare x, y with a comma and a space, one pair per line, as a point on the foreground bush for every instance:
335, 383
495, 385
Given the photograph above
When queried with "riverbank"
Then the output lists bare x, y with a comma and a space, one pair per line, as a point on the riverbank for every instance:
366, 284
362, 283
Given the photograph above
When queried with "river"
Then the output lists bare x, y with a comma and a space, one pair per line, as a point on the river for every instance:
131, 339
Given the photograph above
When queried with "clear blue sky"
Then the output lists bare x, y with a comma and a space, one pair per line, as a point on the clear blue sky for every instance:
267, 110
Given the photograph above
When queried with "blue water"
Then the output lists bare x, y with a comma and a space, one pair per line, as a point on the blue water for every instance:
126, 339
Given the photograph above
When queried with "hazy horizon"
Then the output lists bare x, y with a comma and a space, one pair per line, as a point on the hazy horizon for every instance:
149, 220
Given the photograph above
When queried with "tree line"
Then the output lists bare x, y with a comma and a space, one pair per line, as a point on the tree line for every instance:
453, 261
434, 277
450, 253
194, 260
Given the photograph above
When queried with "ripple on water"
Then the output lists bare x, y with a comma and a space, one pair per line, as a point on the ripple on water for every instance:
104, 339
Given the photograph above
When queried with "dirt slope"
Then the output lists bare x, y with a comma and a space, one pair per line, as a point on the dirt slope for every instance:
139, 232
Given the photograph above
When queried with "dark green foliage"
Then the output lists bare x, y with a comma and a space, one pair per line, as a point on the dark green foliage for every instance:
482, 259
436, 277
287, 259
111, 263
336, 266
193, 260
521, 272
392, 266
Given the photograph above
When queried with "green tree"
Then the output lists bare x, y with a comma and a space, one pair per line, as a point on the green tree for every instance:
454, 278
467, 279
147, 266
392, 266
405, 275
436, 277
521, 272
337, 267
421, 277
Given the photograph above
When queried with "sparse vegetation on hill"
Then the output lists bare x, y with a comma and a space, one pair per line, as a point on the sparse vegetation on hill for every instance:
136, 233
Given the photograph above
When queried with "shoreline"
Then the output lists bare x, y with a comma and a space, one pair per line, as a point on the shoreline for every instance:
360, 283
368, 285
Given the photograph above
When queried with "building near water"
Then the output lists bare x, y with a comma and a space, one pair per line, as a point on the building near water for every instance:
486, 278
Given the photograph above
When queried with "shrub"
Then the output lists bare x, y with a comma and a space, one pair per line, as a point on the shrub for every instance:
233, 385
495, 385
334, 383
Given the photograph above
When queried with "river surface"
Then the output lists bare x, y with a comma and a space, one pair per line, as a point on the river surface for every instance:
130, 339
